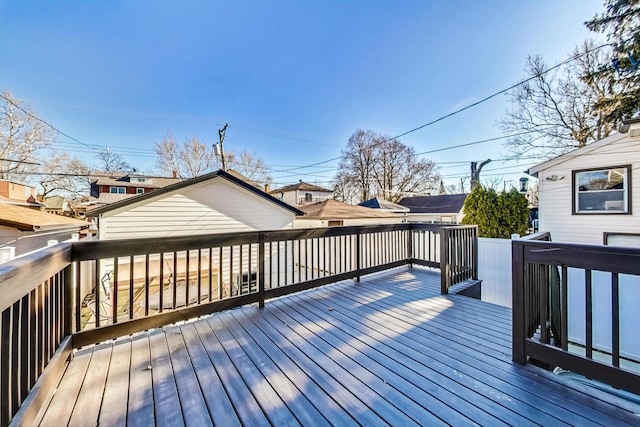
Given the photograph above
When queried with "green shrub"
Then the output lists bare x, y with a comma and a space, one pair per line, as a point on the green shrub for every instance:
496, 215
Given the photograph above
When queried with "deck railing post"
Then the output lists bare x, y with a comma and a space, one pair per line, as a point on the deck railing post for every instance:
68, 294
261, 268
518, 304
410, 246
474, 236
445, 267
358, 255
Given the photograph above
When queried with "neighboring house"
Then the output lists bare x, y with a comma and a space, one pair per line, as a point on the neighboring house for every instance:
302, 193
56, 205
330, 213
384, 205
447, 208
129, 184
16, 193
217, 202
26, 230
592, 195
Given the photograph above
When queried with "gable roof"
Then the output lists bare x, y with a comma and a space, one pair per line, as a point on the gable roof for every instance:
302, 186
220, 174
333, 209
28, 219
376, 203
446, 203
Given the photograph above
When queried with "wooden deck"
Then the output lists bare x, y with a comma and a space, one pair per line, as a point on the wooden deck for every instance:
387, 351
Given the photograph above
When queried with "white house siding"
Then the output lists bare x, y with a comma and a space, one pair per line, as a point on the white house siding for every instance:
297, 197
555, 196
217, 207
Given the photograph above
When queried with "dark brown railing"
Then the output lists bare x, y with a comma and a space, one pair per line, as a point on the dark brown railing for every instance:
82, 293
542, 272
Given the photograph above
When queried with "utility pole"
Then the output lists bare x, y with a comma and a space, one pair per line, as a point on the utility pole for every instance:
221, 134
475, 172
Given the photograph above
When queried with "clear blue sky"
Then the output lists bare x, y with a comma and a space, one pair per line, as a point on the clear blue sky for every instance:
293, 78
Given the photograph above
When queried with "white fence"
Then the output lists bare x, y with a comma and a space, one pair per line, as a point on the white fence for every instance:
494, 269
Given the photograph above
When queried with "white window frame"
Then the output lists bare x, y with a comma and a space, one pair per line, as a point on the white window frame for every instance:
139, 190
117, 190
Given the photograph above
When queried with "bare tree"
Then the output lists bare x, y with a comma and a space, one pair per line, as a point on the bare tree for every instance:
111, 162
22, 134
373, 164
557, 111
194, 157
250, 166
65, 175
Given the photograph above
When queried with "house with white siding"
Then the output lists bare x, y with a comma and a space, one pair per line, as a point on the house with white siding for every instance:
218, 202
302, 193
592, 195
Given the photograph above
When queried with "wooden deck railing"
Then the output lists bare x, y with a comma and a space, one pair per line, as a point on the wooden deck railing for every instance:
81, 293
543, 273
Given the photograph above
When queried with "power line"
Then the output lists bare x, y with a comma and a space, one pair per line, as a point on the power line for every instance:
485, 99
30, 114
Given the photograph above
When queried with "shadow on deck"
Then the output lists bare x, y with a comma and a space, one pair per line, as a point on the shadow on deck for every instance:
387, 350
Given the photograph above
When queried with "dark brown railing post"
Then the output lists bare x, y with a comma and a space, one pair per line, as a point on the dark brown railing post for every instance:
410, 246
445, 266
261, 268
68, 295
358, 255
518, 304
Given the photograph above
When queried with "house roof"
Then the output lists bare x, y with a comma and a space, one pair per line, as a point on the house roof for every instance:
125, 181
333, 209
446, 203
628, 129
376, 203
27, 202
28, 219
220, 174
302, 186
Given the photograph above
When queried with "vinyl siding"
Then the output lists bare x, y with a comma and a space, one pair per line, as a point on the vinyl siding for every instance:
213, 207
555, 196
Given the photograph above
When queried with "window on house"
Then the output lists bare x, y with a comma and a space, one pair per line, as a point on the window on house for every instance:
117, 190
308, 197
602, 191
27, 191
627, 240
336, 223
139, 190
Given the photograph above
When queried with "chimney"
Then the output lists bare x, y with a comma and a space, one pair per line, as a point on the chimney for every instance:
175, 173
266, 188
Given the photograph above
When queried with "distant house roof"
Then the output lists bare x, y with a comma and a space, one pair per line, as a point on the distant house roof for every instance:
302, 186
333, 209
31, 201
386, 205
27, 219
186, 183
138, 181
447, 203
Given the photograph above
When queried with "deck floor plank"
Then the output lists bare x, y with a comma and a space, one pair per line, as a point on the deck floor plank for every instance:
213, 392
87, 408
192, 403
386, 351
61, 406
299, 403
334, 389
271, 403
114, 409
245, 404
439, 399
480, 384
166, 401
140, 405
